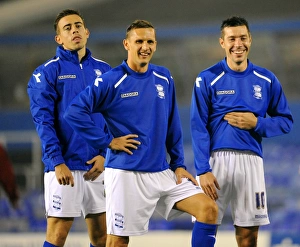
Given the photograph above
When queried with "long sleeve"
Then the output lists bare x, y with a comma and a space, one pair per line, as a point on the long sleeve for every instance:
174, 142
78, 115
42, 96
199, 131
279, 120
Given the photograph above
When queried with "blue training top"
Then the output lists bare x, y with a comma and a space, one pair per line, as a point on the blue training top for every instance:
133, 103
219, 90
51, 88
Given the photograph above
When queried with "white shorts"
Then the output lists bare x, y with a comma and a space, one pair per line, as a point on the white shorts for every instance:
132, 197
87, 197
240, 175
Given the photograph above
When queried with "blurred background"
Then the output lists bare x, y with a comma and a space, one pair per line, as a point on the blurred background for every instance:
187, 34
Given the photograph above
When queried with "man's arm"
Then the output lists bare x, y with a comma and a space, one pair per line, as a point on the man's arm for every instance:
78, 115
42, 97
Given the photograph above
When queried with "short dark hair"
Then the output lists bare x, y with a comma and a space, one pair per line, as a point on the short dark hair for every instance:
64, 13
234, 21
138, 24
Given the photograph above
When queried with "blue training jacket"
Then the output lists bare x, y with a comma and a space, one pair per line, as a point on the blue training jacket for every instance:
133, 103
51, 88
219, 90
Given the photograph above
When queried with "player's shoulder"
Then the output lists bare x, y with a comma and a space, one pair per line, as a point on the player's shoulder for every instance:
101, 62
214, 69
49, 65
114, 74
160, 71
118, 70
263, 72
211, 72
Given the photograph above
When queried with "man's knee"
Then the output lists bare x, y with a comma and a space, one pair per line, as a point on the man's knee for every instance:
208, 212
58, 229
100, 241
117, 241
246, 236
212, 211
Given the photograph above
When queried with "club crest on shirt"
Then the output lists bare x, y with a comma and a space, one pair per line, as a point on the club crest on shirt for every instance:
98, 79
98, 72
257, 92
160, 91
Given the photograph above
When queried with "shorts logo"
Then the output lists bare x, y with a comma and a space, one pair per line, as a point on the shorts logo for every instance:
56, 202
257, 92
160, 91
261, 216
119, 220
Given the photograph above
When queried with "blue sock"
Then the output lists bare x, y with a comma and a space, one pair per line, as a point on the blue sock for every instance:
91, 245
204, 235
47, 244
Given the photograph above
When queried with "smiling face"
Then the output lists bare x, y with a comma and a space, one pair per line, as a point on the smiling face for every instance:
140, 44
236, 42
72, 34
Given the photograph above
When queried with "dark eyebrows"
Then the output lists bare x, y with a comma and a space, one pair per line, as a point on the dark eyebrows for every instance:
69, 24
241, 36
142, 40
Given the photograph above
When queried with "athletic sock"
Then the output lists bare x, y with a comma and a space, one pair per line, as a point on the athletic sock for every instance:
47, 244
204, 235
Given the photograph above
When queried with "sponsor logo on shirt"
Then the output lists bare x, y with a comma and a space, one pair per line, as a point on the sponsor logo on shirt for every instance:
62, 77
131, 94
222, 92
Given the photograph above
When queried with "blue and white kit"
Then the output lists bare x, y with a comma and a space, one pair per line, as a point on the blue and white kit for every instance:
232, 154
133, 103
142, 104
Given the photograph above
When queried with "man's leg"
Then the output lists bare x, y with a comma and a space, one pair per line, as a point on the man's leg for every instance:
246, 236
205, 211
96, 226
117, 241
57, 230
